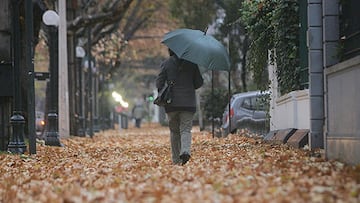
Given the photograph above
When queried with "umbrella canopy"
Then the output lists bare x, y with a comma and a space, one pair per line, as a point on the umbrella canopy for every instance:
199, 48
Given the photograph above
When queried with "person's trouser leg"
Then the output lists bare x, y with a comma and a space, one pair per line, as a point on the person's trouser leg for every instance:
175, 141
137, 122
186, 121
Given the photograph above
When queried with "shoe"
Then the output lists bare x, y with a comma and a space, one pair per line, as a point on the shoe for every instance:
184, 158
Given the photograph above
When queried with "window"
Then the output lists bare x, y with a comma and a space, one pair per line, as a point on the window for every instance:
246, 103
350, 28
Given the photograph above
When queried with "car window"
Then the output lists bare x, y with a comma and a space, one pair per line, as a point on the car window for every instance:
260, 103
246, 103
256, 103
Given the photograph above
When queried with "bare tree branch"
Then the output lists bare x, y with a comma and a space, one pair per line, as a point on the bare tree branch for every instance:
108, 17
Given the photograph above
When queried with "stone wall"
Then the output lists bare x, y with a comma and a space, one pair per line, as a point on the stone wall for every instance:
342, 123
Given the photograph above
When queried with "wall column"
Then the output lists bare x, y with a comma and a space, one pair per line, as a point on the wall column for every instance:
316, 79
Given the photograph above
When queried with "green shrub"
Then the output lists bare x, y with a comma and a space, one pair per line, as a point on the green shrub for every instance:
214, 102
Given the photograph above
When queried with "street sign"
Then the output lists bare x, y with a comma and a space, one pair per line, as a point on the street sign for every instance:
42, 75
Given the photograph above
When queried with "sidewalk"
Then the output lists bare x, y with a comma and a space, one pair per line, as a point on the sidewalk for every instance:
134, 165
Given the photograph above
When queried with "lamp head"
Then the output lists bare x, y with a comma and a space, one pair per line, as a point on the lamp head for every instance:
50, 17
80, 52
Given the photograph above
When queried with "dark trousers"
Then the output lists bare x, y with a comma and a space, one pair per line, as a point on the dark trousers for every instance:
137, 122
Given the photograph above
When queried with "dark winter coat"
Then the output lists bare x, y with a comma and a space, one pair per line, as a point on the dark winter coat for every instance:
187, 79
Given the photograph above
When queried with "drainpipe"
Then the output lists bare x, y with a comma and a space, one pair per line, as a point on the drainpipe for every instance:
316, 72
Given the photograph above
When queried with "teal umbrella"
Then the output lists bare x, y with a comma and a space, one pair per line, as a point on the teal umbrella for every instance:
199, 48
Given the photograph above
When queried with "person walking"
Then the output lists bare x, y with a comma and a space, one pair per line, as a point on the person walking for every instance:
186, 78
138, 113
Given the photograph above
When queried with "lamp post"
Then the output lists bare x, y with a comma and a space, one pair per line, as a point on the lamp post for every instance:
90, 70
90, 94
51, 19
96, 102
30, 67
80, 54
16, 143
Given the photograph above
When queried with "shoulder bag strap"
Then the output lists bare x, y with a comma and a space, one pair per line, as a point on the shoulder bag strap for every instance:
179, 62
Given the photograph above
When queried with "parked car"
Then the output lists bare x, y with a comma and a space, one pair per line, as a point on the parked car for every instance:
39, 122
247, 110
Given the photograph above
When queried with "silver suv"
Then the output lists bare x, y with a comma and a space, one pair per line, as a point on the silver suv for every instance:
247, 110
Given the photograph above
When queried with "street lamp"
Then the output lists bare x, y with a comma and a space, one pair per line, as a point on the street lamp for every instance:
123, 119
96, 75
118, 98
17, 121
80, 54
90, 84
90, 69
51, 19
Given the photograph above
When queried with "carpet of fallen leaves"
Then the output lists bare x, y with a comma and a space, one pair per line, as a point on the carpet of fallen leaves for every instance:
134, 165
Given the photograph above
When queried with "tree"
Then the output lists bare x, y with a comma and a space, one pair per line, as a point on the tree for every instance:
113, 25
234, 31
274, 25
200, 14
194, 14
